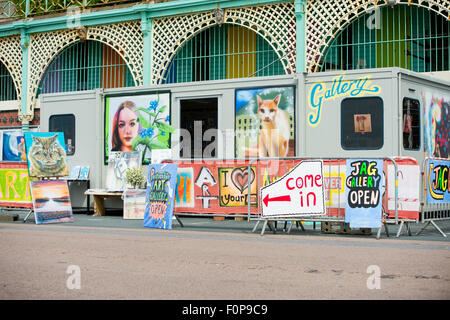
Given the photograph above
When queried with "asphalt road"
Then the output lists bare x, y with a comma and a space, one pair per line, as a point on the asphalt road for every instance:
110, 258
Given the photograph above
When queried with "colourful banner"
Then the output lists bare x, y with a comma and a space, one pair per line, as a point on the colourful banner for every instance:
14, 185
215, 187
438, 187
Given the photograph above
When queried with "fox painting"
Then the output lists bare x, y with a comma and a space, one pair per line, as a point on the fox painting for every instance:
275, 130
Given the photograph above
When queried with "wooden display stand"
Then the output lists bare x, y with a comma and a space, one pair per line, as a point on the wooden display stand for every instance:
99, 199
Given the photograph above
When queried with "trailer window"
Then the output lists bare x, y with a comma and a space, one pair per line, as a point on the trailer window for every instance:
64, 123
362, 123
411, 124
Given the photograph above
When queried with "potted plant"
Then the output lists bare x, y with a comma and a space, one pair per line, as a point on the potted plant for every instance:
135, 177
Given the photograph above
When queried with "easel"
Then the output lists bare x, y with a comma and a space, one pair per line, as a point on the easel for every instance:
28, 214
175, 216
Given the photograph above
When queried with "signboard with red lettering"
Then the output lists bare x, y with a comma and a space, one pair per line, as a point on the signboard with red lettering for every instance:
300, 192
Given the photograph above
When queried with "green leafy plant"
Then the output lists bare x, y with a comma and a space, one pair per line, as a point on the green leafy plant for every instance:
135, 176
156, 130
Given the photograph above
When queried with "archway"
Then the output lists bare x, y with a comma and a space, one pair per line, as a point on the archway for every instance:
7, 88
223, 52
326, 19
275, 23
409, 37
85, 65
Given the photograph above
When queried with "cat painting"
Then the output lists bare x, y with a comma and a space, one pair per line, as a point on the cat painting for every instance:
265, 122
46, 157
275, 130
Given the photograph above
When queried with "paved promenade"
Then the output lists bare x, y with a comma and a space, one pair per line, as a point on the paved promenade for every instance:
111, 258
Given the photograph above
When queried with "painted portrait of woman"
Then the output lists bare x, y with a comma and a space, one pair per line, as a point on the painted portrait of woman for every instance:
125, 127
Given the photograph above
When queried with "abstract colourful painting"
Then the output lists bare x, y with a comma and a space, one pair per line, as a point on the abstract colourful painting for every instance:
436, 124
51, 201
160, 197
46, 154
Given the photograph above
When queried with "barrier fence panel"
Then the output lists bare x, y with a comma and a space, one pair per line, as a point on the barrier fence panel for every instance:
211, 187
436, 202
400, 190
407, 199
232, 187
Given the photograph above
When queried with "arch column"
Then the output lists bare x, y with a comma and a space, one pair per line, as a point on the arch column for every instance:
23, 115
300, 10
146, 27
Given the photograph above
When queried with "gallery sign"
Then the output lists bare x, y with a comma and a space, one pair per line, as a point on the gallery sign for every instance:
160, 196
363, 190
300, 192
438, 187
320, 93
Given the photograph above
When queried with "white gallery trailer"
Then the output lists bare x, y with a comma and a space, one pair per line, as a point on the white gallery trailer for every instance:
362, 113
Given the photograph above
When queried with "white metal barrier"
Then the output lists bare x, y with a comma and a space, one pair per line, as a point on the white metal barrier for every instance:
436, 202
334, 170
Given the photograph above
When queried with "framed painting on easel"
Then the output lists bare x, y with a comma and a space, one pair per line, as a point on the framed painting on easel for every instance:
46, 154
51, 201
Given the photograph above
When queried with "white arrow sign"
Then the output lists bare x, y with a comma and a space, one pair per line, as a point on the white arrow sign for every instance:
297, 193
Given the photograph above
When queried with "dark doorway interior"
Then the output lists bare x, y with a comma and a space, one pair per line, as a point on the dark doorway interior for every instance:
197, 116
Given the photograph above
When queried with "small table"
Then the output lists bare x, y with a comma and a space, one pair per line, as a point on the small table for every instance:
99, 199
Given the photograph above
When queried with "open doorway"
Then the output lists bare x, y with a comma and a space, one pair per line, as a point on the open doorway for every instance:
198, 116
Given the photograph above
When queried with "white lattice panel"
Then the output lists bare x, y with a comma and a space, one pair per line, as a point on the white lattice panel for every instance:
126, 38
11, 57
43, 48
275, 23
327, 18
